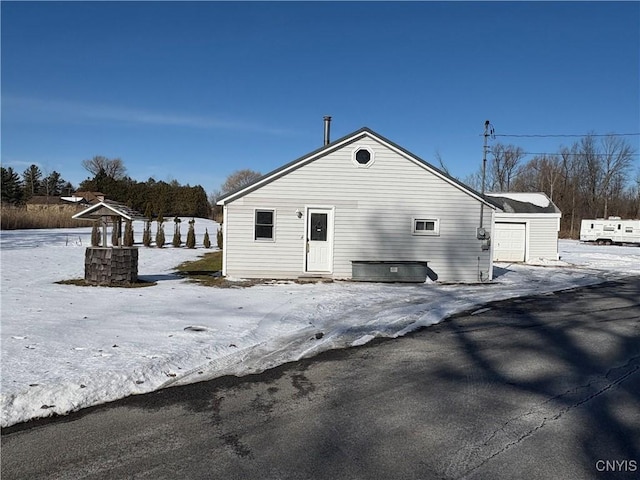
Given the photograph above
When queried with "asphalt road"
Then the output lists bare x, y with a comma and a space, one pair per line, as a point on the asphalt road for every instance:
541, 388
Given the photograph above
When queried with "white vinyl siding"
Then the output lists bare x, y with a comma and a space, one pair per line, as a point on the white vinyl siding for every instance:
543, 237
373, 209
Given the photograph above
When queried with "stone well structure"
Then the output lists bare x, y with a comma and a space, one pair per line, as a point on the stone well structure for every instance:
111, 265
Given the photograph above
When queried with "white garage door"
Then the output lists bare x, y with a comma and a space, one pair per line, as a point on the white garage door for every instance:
509, 242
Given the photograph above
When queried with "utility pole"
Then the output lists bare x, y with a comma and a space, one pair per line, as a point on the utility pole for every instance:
488, 130
484, 154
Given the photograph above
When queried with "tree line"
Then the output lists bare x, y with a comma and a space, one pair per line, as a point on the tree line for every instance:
592, 178
109, 178
152, 197
17, 189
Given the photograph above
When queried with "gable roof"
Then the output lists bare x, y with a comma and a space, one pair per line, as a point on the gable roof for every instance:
524, 202
108, 208
92, 197
341, 142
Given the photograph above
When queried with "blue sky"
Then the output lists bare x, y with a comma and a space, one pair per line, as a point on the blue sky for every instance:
193, 91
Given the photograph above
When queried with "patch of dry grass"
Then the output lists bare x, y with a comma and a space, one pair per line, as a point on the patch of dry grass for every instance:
17, 218
208, 264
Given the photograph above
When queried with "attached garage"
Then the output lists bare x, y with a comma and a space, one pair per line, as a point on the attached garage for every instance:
526, 228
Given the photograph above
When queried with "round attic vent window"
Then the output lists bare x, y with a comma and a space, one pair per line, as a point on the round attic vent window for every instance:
363, 156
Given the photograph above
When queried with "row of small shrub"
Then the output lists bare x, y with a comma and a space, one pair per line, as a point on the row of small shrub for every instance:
17, 218
160, 239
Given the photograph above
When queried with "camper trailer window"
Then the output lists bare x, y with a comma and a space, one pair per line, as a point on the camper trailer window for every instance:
609, 228
628, 230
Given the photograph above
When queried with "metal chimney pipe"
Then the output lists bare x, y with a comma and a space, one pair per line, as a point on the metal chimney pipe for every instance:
327, 129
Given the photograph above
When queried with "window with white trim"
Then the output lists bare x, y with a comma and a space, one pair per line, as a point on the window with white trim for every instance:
264, 225
426, 226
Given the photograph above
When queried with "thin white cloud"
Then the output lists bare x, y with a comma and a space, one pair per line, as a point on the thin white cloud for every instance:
18, 165
37, 109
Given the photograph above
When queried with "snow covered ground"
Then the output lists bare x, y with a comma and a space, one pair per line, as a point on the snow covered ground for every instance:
66, 347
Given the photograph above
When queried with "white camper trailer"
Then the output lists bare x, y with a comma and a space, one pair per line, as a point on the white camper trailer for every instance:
610, 231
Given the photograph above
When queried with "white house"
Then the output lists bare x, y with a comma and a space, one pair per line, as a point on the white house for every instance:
358, 203
526, 227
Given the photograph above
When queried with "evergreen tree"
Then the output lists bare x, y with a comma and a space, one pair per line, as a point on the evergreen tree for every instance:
67, 189
191, 234
160, 233
177, 239
32, 178
53, 184
160, 236
146, 235
219, 238
116, 233
128, 234
207, 241
95, 235
11, 188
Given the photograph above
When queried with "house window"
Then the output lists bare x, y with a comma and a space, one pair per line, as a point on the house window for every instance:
362, 157
426, 226
264, 222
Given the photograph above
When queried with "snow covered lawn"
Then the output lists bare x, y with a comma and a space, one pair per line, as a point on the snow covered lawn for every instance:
66, 347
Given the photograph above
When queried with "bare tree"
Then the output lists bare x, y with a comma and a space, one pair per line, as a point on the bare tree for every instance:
588, 169
112, 167
441, 163
239, 179
474, 180
592, 178
569, 188
616, 160
503, 167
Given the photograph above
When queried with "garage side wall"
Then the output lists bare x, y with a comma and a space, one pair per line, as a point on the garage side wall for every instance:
543, 237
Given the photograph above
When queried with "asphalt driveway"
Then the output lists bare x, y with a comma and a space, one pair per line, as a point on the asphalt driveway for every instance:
542, 388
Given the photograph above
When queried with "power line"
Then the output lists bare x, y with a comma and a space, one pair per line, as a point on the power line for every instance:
569, 153
567, 135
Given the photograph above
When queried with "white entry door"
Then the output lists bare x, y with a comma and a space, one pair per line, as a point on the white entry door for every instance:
509, 242
319, 239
